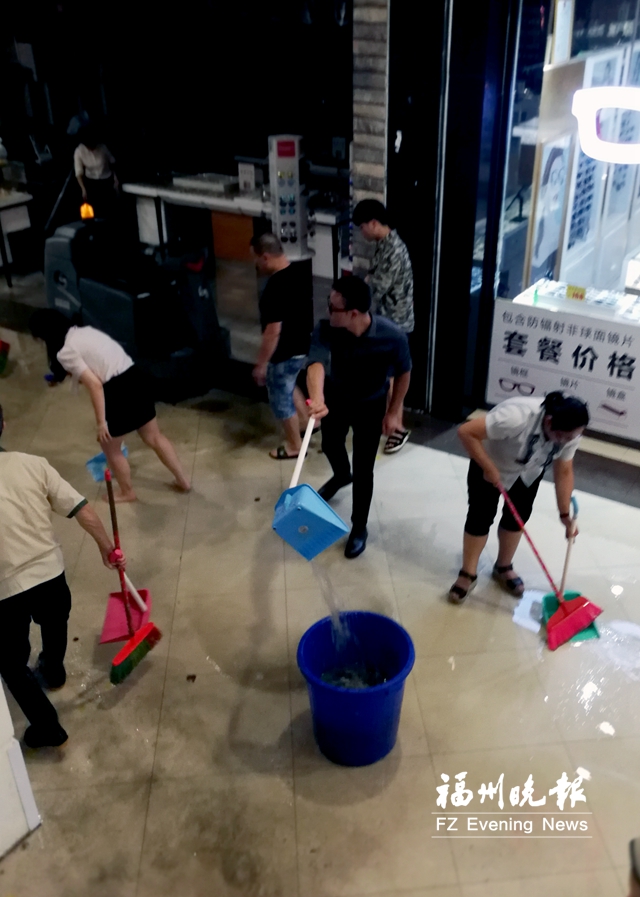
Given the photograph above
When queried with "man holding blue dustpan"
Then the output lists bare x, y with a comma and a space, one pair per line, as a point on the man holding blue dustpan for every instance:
352, 359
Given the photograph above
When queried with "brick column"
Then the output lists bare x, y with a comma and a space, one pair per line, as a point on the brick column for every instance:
370, 65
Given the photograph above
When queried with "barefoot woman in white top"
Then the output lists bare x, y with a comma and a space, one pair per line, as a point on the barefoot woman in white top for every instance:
118, 389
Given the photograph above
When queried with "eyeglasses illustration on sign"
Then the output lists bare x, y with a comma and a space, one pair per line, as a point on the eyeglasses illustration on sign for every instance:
587, 103
525, 389
618, 413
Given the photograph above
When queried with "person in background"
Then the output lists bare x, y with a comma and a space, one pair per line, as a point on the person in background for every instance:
286, 318
119, 391
513, 446
33, 584
390, 279
95, 172
353, 356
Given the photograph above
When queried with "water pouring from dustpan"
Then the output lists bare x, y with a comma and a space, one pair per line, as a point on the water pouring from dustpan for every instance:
302, 518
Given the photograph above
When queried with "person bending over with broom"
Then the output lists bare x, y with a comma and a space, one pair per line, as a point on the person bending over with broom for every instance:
118, 388
33, 584
513, 446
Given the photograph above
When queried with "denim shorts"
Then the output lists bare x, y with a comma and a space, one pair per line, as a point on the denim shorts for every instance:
281, 381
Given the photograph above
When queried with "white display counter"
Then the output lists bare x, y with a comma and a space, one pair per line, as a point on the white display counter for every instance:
151, 200
590, 348
18, 812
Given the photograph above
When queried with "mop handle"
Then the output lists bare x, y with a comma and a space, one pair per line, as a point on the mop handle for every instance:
116, 542
518, 519
570, 541
303, 451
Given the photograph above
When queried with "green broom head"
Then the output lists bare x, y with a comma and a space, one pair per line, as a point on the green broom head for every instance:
128, 658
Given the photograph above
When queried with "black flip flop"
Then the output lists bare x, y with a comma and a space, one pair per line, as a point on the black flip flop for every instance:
281, 455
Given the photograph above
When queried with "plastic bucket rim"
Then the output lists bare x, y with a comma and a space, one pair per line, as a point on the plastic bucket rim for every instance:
402, 674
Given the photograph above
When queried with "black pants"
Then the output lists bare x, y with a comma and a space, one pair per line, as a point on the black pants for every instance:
366, 420
48, 605
484, 498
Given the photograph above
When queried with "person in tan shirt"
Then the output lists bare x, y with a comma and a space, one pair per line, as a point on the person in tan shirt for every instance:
33, 584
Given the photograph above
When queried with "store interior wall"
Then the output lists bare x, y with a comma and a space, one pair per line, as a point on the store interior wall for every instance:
185, 88
416, 35
602, 30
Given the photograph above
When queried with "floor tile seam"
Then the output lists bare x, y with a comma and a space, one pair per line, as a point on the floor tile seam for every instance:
528, 878
221, 777
79, 786
466, 653
572, 744
395, 597
496, 653
404, 892
164, 682
422, 719
412, 675
592, 741
291, 738
143, 838
492, 750
37, 429
602, 838
435, 778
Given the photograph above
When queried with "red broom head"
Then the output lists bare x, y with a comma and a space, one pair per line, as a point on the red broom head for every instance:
570, 618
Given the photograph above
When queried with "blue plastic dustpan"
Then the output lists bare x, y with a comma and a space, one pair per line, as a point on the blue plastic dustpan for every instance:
303, 519
306, 521
98, 464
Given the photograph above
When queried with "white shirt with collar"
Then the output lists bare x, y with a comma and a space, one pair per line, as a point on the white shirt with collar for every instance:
516, 442
86, 347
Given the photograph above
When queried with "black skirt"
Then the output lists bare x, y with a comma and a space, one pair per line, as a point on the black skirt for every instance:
128, 402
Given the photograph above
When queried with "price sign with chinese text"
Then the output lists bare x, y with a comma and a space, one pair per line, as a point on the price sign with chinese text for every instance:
535, 351
579, 293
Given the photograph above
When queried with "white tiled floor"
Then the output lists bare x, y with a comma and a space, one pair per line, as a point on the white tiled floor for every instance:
215, 786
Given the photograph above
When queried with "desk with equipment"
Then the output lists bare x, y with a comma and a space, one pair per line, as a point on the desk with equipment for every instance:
14, 216
242, 206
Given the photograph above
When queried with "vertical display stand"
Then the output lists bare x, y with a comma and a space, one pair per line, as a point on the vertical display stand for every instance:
289, 210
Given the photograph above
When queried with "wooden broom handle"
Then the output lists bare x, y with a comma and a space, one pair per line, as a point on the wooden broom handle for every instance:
570, 541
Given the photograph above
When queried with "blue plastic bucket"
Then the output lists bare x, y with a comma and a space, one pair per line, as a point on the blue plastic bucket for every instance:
355, 727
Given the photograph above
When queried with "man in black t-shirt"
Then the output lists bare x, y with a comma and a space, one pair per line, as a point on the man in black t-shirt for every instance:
286, 318
352, 359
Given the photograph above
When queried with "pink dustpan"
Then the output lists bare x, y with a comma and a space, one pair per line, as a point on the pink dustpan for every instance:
115, 627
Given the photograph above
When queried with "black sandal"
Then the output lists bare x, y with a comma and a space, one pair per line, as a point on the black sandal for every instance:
456, 593
514, 586
281, 455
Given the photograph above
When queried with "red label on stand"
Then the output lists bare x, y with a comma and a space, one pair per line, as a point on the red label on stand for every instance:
286, 149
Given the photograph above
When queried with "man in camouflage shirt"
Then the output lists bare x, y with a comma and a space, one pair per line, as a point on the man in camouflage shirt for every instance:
390, 279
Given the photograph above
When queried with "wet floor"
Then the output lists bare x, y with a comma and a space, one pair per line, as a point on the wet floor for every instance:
199, 775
